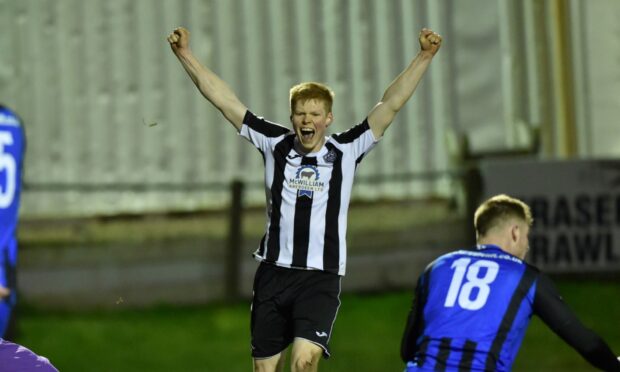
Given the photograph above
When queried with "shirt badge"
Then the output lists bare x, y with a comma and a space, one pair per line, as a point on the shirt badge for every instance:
330, 157
307, 181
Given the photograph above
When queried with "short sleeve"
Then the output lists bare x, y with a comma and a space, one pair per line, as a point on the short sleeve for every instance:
261, 132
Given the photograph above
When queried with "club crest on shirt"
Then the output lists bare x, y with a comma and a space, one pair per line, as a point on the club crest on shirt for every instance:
330, 157
306, 181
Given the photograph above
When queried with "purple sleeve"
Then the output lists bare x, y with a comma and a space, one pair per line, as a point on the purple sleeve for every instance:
14, 357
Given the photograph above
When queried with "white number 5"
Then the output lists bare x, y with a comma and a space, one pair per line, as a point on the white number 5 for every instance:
462, 268
8, 166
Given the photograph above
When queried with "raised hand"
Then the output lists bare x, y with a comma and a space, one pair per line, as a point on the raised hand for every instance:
429, 41
179, 39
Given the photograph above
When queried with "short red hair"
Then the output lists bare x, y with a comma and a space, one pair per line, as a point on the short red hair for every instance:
312, 90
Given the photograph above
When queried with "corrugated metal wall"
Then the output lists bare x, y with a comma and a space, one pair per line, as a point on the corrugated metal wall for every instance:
110, 112
598, 50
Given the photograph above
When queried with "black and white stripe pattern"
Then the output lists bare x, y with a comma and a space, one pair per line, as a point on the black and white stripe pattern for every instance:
307, 196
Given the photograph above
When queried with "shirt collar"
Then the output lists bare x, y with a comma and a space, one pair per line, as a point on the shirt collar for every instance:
488, 246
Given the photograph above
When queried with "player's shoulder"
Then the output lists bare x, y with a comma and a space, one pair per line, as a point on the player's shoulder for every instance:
532, 268
263, 126
352, 134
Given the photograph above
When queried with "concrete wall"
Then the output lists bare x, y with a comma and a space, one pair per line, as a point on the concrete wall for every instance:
179, 271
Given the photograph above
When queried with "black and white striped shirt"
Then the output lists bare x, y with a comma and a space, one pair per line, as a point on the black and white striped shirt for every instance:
307, 195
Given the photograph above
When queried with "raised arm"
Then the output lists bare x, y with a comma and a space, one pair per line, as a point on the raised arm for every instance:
212, 87
399, 91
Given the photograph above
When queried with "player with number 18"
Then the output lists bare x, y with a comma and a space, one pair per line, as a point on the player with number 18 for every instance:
472, 307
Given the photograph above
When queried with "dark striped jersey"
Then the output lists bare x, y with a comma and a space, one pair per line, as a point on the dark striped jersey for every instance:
307, 195
11, 156
472, 308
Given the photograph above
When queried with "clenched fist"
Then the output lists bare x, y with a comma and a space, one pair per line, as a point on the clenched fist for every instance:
179, 39
429, 41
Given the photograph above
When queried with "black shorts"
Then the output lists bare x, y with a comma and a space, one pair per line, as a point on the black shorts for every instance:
292, 303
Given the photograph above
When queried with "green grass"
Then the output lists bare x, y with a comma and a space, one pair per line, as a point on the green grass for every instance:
162, 339
216, 337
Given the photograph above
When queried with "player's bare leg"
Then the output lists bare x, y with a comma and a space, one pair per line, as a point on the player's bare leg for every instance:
305, 356
272, 364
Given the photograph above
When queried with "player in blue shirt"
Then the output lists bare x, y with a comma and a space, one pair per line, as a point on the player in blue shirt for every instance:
13, 357
12, 144
472, 307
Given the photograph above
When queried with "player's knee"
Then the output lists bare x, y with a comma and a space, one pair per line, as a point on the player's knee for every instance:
260, 367
303, 363
306, 360
266, 365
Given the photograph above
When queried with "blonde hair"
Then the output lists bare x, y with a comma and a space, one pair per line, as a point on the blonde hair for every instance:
499, 209
311, 90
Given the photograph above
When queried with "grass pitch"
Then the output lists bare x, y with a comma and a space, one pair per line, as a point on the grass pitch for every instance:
216, 337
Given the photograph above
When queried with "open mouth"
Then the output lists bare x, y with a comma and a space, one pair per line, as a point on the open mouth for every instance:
306, 134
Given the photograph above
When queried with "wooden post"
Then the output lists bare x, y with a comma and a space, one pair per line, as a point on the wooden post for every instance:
235, 241
473, 195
